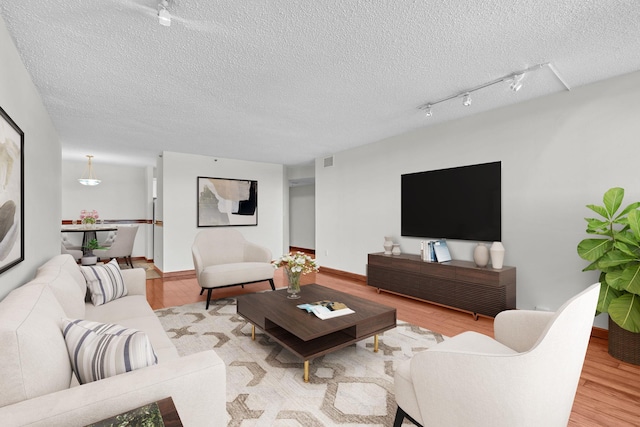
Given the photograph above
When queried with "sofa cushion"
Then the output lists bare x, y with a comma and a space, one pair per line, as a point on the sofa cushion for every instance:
67, 263
102, 350
63, 285
133, 311
33, 355
105, 282
234, 273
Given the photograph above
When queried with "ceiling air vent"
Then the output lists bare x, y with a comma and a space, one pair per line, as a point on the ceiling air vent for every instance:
328, 161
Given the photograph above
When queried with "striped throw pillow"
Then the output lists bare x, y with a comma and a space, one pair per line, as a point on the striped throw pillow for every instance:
105, 282
102, 350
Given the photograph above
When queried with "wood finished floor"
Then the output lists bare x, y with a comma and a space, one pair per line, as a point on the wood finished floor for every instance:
608, 393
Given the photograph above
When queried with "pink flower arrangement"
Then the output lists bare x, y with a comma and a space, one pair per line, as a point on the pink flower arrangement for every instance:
89, 217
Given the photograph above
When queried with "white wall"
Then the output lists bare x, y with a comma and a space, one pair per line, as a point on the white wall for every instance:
558, 153
302, 217
178, 194
21, 101
123, 194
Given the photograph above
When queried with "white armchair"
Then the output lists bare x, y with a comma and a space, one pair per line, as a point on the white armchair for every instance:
222, 258
526, 376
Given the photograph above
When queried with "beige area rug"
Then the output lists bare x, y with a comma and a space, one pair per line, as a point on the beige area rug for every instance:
352, 386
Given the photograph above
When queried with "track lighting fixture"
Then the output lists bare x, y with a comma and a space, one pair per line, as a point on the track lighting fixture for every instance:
164, 17
514, 80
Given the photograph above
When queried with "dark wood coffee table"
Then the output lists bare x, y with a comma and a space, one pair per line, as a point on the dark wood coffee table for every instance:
303, 333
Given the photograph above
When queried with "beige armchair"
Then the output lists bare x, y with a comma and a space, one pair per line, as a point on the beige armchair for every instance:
526, 376
222, 258
122, 245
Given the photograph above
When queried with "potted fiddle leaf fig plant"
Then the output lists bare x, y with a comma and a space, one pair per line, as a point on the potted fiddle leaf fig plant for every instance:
89, 258
616, 254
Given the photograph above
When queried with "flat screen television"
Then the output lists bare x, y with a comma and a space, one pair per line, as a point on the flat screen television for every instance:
462, 203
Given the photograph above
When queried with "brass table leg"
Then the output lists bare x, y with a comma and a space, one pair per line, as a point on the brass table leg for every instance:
253, 332
375, 343
306, 371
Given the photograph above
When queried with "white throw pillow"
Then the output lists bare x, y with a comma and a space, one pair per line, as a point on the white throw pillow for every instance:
105, 282
102, 350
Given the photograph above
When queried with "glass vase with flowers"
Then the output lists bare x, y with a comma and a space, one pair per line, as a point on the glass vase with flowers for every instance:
295, 265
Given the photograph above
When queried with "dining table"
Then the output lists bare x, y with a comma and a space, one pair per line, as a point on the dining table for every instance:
89, 232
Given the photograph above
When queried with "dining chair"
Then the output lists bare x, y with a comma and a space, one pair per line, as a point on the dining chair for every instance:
122, 245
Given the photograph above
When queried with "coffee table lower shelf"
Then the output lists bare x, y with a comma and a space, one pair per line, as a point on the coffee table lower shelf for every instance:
308, 350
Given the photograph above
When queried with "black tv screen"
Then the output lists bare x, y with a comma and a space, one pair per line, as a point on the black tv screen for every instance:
461, 203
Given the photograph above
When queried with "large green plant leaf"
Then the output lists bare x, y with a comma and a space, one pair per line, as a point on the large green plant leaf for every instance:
591, 267
631, 207
614, 258
626, 248
612, 200
594, 249
600, 210
634, 223
630, 279
596, 226
607, 294
625, 311
614, 280
626, 237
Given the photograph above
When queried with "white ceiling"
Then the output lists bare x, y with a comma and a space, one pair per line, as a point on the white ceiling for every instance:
287, 81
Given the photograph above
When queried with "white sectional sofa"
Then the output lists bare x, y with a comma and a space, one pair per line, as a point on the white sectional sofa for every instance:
38, 386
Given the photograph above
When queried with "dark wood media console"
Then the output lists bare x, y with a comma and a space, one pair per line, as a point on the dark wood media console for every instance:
456, 284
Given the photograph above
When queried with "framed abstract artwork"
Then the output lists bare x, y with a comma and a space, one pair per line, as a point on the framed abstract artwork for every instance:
11, 193
227, 202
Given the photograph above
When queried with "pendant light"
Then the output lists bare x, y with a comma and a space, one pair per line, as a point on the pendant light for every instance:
88, 177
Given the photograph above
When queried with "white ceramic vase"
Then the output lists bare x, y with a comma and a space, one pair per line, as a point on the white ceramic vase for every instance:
388, 245
396, 249
497, 255
481, 255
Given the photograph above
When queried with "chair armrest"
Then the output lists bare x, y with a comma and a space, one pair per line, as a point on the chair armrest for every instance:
135, 279
256, 253
197, 384
478, 381
520, 329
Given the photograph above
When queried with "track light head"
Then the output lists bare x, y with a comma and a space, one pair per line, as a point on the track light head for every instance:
466, 99
427, 111
516, 83
164, 17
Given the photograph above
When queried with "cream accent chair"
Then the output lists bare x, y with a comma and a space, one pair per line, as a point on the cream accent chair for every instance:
122, 245
222, 258
526, 376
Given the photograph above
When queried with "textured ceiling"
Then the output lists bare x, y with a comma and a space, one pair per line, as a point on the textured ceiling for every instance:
286, 81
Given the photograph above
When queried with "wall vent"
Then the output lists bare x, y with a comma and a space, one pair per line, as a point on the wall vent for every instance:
328, 161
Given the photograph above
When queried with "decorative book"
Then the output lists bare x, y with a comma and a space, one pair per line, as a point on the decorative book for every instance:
327, 309
441, 251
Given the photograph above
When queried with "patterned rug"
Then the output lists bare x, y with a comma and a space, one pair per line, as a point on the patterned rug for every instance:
351, 386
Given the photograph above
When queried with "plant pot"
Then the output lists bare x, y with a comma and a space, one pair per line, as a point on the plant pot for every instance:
624, 345
89, 260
